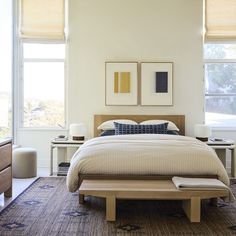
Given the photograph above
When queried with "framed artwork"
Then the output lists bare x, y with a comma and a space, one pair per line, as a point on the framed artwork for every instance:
121, 83
156, 83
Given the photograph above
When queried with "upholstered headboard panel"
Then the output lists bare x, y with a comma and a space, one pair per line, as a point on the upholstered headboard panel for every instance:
179, 120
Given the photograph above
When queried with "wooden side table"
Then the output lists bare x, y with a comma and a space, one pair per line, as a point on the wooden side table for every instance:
61, 148
220, 148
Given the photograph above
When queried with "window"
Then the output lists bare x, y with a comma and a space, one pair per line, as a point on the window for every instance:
42, 85
6, 68
42, 59
220, 84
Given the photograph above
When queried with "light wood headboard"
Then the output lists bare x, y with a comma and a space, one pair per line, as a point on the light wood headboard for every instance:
179, 120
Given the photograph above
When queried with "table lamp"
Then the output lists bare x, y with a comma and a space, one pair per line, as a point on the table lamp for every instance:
202, 132
77, 131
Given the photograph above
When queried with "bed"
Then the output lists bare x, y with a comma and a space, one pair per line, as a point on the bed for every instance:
94, 154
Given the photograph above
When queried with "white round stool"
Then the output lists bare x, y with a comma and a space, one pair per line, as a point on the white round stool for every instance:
24, 162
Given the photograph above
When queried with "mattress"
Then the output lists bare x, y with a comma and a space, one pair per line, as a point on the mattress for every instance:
144, 154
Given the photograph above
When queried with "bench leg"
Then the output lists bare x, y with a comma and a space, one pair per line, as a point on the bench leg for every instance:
81, 198
110, 208
192, 209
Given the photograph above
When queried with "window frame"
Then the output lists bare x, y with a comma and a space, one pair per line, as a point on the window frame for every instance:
217, 61
20, 83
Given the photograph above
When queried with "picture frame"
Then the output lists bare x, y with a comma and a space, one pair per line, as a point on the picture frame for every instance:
121, 83
157, 83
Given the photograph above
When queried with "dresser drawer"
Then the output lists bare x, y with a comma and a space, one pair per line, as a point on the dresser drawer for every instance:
5, 156
5, 179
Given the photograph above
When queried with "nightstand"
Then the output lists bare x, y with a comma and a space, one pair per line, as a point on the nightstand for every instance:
62, 146
220, 148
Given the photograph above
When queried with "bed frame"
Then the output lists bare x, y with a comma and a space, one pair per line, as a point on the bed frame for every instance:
179, 120
191, 206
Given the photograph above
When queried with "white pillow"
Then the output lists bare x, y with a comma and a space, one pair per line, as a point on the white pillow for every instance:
109, 124
171, 125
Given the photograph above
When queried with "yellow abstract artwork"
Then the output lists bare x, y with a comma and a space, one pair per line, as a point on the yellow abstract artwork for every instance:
122, 82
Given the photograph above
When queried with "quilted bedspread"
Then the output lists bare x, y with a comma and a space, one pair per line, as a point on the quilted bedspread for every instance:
145, 154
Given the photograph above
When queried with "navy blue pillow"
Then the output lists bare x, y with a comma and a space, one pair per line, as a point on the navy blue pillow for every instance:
140, 129
112, 132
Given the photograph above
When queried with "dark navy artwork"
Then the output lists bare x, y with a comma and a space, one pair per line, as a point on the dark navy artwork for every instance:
161, 82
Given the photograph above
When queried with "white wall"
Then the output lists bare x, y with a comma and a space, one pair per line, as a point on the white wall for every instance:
124, 30
136, 30
40, 140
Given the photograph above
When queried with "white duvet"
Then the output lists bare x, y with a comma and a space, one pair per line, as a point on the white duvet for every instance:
145, 154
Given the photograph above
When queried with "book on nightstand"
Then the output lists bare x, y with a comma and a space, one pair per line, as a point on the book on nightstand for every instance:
220, 141
63, 168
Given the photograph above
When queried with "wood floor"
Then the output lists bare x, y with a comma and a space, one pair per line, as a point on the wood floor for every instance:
19, 185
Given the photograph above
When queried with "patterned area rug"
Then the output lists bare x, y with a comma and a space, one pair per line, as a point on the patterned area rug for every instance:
46, 208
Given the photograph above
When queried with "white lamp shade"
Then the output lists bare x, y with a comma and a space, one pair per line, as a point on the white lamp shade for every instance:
202, 131
77, 130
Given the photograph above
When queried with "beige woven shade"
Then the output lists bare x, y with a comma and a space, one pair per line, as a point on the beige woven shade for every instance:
42, 19
220, 20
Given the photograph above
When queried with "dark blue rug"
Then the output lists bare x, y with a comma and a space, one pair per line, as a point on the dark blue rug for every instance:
46, 208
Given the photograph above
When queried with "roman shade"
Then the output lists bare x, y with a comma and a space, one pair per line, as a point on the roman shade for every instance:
220, 18
42, 19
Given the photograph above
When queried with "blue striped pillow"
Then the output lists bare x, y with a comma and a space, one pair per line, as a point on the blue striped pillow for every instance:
140, 129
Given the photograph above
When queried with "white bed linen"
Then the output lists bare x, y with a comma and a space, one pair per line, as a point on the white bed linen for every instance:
145, 154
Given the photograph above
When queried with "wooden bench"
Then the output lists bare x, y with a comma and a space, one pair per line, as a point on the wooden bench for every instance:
147, 189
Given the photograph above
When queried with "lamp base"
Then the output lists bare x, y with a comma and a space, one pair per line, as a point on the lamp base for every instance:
203, 139
78, 138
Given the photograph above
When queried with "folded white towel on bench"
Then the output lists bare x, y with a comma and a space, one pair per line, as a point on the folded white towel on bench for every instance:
201, 184
198, 183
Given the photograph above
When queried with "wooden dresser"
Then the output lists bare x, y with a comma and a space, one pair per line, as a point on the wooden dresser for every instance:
6, 167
